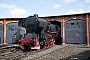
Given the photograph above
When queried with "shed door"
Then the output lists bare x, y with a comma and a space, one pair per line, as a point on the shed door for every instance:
1, 33
75, 31
12, 29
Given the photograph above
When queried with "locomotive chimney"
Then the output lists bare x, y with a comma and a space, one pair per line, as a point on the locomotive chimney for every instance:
36, 15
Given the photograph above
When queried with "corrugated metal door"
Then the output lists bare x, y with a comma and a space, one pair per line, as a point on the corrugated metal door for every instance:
1, 33
75, 31
12, 28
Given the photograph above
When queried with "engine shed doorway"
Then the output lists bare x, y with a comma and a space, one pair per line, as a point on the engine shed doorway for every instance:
75, 32
1, 33
12, 28
58, 38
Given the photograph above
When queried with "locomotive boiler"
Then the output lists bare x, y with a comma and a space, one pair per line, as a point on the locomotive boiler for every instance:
39, 33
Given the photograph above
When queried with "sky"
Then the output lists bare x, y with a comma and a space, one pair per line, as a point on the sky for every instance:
25, 8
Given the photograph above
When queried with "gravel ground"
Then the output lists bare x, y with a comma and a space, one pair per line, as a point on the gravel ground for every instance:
59, 53
81, 53
38, 54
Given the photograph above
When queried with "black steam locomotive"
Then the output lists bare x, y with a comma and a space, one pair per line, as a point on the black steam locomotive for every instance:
39, 33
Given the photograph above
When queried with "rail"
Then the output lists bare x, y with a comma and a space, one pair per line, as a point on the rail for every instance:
87, 58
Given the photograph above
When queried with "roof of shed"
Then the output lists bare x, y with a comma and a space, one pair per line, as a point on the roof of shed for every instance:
46, 16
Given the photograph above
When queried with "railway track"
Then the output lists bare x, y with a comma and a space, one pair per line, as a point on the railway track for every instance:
57, 54
80, 53
87, 58
18, 54
12, 55
49, 53
67, 53
15, 54
42, 54
7, 48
